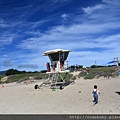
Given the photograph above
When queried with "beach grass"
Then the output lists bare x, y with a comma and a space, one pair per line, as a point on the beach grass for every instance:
85, 73
36, 76
98, 72
24, 77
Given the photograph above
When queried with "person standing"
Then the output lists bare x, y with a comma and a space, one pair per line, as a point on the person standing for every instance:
48, 67
95, 93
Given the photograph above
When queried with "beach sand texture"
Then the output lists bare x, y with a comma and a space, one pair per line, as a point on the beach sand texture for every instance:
73, 99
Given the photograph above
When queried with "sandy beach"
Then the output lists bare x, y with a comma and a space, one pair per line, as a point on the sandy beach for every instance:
73, 99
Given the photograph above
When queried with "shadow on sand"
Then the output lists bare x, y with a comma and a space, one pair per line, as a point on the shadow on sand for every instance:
118, 93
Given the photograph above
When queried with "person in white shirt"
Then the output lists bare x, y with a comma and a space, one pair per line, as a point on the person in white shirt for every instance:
95, 93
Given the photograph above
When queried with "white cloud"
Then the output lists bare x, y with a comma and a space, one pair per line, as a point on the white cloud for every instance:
90, 10
95, 37
6, 40
60, 35
78, 37
64, 16
112, 2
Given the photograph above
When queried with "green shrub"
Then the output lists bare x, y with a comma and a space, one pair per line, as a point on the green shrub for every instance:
65, 76
105, 72
89, 76
74, 78
1, 76
37, 77
82, 74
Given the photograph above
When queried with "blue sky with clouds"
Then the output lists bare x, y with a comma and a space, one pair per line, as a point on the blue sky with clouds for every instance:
28, 28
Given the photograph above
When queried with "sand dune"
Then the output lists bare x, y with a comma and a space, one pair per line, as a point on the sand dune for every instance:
73, 99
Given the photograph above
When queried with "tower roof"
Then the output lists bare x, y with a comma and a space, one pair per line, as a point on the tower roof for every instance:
55, 51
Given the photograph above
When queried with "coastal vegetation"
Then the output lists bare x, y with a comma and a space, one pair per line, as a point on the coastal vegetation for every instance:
14, 75
105, 72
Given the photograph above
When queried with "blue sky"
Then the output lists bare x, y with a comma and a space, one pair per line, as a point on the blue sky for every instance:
28, 28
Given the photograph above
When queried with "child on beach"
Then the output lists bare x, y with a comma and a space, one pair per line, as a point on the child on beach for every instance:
95, 93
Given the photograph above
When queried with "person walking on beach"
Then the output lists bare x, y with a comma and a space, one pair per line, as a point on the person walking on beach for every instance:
95, 93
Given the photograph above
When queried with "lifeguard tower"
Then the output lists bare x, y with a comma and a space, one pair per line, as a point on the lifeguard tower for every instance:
58, 59
57, 66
